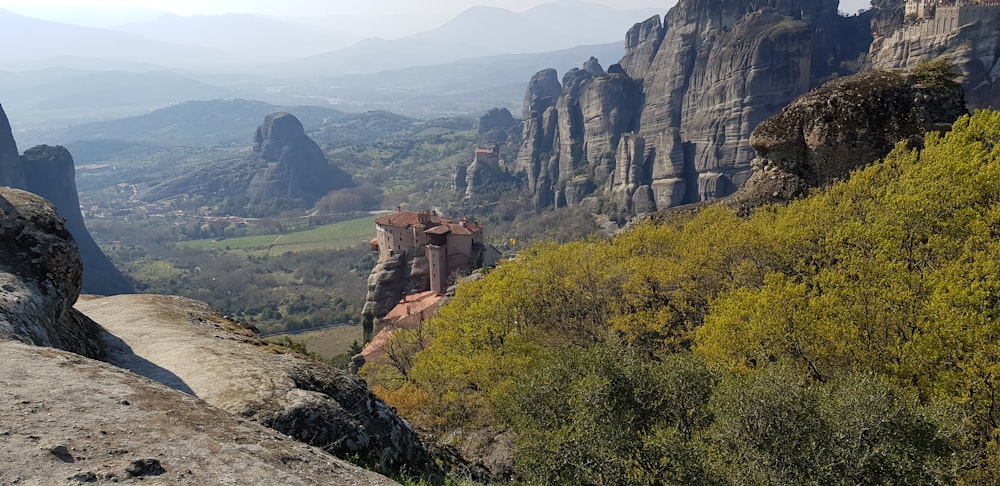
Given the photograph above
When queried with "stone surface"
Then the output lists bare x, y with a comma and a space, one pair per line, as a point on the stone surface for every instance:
843, 125
393, 278
286, 170
11, 172
692, 88
117, 427
40, 278
187, 346
496, 118
50, 173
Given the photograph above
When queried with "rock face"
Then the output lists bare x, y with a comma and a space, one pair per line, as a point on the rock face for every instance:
50, 173
843, 125
968, 36
670, 123
40, 278
184, 344
493, 126
286, 170
11, 172
392, 278
71, 420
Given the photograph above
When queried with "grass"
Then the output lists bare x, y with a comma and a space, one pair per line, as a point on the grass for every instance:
330, 342
329, 237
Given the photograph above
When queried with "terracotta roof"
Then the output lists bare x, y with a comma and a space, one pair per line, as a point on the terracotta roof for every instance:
373, 241
408, 314
375, 350
459, 229
405, 219
439, 229
412, 305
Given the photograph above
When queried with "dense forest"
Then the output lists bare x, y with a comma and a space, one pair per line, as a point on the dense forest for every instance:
850, 337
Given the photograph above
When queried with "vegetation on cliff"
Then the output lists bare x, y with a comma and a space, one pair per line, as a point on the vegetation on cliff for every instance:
847, 338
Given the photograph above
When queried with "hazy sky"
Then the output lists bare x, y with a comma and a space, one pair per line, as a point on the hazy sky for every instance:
297, 8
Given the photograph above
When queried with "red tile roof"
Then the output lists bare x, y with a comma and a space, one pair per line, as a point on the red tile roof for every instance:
466, 228
405, 219
412, 305
408, 314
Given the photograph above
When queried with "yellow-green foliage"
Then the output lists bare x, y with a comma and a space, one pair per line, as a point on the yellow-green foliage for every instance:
888, 284
904, 281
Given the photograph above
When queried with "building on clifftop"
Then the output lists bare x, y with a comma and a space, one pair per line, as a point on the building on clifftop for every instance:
448, 246
949, 14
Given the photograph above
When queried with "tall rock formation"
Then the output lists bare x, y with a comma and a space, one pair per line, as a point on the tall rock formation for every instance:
670, 123
11, 173
50, 173
967, 35
285, 170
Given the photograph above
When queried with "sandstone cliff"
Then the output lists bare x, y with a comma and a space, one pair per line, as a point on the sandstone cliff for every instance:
70, 419
843, 125
670, 123
285, 170
968, 36
390, 280
49, 172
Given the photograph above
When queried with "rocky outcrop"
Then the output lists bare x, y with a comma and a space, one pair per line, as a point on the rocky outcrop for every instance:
40, 278
688, 93
968, 36
50, 173
285, 170
494, 126
11, 172
72, 420
843, 125
392, 278
184, 344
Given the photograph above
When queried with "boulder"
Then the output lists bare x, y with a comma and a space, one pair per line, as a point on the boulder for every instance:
846, 124
40, 278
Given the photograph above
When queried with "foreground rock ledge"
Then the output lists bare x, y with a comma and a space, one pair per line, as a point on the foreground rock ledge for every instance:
184, 344
66, 419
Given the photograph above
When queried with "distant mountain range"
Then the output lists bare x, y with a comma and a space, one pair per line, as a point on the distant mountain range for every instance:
279, 47
62, 105
481, 32
215, 123
69, 75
